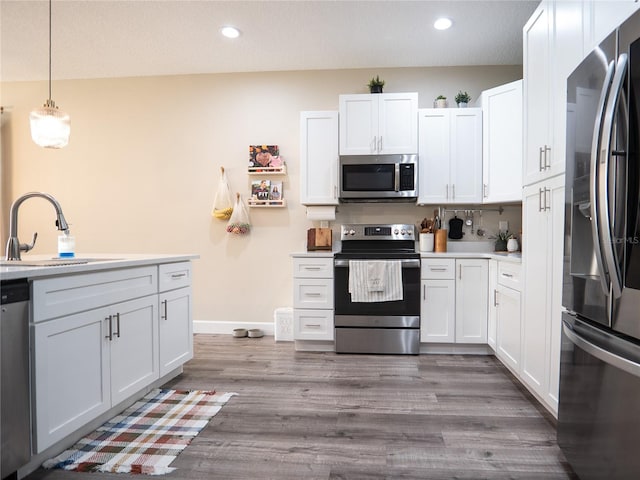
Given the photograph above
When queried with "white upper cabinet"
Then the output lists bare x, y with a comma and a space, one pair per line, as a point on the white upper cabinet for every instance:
450, 155
375, 124
319, 158
502, 143
601, 17
540, 158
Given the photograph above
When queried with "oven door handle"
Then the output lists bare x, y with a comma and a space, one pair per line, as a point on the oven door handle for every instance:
406, 263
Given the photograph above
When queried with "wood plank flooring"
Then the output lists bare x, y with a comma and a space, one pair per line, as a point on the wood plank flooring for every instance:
326, 416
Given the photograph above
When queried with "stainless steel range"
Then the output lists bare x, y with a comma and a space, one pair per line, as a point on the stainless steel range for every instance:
377, 290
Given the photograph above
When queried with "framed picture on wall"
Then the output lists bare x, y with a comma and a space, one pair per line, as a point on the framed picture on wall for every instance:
264, 156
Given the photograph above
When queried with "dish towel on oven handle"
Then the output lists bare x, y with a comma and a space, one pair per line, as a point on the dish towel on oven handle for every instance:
388, 274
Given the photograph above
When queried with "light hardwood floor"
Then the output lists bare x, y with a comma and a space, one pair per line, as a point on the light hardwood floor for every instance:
328, 416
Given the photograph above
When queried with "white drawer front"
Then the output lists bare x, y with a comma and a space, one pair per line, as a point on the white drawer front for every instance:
55, 297
313, 293
312, 267
313, 324
509, 275
438, 269
174, 275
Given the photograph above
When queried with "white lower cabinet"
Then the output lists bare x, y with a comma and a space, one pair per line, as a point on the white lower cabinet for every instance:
99, 339
87, 362
508, 324
313, 298
492, 326
454, 301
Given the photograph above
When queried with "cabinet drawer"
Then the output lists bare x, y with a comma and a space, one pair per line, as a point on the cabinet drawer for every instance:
509, 275
313, 267
55, 297
438, 268
174, 275
312, 324
313, 293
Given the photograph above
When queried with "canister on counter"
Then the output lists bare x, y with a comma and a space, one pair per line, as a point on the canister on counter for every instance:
440, 243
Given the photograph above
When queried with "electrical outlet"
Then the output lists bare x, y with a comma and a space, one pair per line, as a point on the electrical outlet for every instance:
503, 225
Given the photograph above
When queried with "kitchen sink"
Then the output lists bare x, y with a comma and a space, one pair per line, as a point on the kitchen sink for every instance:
53, 262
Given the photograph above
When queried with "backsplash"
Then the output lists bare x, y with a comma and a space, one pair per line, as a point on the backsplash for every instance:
487, 220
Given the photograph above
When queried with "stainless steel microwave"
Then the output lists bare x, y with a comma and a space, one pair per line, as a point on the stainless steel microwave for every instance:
382, 178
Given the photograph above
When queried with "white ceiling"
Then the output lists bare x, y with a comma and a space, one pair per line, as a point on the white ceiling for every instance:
119, 38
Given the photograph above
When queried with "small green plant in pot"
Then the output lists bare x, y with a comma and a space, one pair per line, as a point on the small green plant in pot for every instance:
462, 99
441, 101
375, 85
501, 241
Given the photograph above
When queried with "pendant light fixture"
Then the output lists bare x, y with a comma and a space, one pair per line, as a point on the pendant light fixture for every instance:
50, 127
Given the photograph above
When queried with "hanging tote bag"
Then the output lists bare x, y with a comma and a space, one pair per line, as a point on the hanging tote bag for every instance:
223, 202
239, 223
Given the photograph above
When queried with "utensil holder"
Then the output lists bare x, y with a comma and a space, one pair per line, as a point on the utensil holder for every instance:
440, 243
426, 242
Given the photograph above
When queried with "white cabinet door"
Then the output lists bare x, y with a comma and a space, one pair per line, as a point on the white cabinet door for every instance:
471, 300
603, 16
134, 346
538, 126
175, 329
492, 327
508, 323
434, 153
70, 374
358, 124
398, 123
543, 227
319, 158
450, 155
502, 143
437, 311
466, 155
373, 124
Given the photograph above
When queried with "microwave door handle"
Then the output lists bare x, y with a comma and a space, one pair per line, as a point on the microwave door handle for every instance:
608, 127
593, 179
397, 177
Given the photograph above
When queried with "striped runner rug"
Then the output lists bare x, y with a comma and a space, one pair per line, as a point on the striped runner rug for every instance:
146, 437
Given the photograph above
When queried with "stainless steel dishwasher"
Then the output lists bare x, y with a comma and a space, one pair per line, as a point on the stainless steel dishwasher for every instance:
14, 379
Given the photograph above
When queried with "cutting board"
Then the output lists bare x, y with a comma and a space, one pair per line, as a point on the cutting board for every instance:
318, 239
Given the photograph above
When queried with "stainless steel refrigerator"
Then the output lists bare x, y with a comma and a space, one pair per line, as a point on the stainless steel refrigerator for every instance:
599, 403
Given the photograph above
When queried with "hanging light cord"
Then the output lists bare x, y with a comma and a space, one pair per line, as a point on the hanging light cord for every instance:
50, 51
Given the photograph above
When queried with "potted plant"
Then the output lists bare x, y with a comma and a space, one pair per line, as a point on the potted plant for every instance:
501, 241
441, 101
375, 85
462, 99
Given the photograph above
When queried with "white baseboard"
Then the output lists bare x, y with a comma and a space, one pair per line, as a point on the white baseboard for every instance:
213, 327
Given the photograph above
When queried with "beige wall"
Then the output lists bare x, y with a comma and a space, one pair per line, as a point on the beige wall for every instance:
142, 167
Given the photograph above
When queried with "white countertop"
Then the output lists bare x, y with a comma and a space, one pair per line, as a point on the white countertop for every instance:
515, 257
100, 261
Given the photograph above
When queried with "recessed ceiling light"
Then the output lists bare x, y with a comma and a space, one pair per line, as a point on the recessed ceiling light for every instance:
442, 23
230, 32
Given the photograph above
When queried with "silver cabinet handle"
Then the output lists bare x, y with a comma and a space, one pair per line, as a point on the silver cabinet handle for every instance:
539, 199
312, 294
485, 189
380, 144
178, 275
117, 334
447, 187
164, 304
424, 292
110, 335
312, 269
437, 269
460, 272
508, 275
453, 190
313, 325
540, 164
373, 144
547, 204
547, 162
495, 297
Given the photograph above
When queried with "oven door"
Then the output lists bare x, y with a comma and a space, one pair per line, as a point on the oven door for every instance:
409, 306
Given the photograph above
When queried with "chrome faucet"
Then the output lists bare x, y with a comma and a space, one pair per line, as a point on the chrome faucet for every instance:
14, 247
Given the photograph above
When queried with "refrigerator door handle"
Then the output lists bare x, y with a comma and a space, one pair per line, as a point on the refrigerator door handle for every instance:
593, 179
603, 177
600, 353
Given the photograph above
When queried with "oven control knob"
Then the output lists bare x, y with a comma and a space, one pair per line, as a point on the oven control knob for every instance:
395, 232
352, 232
403, 231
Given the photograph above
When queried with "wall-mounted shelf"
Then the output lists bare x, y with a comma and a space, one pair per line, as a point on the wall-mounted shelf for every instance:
266, 203
281, 170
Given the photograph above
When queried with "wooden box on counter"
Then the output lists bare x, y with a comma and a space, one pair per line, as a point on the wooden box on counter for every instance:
319, 239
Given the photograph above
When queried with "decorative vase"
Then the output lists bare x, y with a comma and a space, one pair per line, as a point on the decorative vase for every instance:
375, 89
512, 245
462, 105
500, 245
441, 103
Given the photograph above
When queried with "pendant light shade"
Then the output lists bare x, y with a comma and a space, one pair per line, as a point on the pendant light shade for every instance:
50, 127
